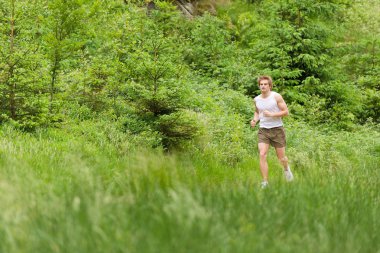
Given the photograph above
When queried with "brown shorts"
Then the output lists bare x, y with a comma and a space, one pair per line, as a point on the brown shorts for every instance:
273, 136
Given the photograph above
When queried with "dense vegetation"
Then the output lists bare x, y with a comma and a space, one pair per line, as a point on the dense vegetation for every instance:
126, 128
155, 67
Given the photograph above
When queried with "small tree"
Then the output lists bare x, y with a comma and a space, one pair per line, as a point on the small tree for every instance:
157, 85
21, 65
62, 40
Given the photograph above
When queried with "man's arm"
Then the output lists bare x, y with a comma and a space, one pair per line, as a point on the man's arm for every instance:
281, 105
255, 117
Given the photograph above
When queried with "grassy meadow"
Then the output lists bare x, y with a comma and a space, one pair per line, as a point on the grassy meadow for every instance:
124, 126
91, 188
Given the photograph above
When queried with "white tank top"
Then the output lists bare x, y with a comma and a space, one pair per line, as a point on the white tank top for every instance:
269, 103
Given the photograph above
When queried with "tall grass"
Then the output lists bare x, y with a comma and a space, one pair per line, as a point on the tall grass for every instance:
87, 188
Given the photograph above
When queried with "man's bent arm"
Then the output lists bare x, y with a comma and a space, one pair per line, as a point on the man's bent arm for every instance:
281, 105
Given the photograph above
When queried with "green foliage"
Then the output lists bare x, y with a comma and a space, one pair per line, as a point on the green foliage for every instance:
214, 53
87, 59
63, 23
225, 135
358, 55
294, 42
209, 40
371, 105
21, 67
157, 88
362, 41
177, 127
336, 104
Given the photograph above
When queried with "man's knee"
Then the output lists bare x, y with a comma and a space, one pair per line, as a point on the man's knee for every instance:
284, 159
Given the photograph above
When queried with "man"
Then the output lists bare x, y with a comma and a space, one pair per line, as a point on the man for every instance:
270, 108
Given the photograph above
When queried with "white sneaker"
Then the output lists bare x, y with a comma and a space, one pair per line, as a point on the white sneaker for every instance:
288, 175
264, 184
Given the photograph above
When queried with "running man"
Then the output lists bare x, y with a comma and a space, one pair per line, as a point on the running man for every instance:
270, 108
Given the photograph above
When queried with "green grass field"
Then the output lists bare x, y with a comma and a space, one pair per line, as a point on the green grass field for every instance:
86, 188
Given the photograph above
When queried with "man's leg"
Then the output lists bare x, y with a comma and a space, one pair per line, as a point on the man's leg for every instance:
284, 161
263, 149
282, 158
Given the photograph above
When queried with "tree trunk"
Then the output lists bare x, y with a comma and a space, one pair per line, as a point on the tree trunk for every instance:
52, 83
11, 82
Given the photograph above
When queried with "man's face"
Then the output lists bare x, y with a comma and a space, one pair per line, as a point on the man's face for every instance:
264, 85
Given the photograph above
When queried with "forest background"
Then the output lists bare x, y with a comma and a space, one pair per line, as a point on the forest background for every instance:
125, 126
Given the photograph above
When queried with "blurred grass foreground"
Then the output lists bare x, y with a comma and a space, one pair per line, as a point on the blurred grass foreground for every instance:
85, 188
